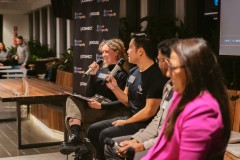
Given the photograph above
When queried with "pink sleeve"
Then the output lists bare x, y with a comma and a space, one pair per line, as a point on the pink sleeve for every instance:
199, 125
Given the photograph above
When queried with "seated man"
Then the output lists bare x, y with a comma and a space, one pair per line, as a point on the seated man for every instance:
112, 50
142, 95
145, 138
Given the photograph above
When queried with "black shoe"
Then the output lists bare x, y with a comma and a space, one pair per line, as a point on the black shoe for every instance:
71, 146
83, 152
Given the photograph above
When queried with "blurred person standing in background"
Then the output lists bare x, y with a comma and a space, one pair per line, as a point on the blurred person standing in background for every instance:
23, 52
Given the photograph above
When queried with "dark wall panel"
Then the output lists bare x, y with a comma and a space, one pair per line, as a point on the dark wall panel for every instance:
1, 28
133, 13
62, 8
162, 8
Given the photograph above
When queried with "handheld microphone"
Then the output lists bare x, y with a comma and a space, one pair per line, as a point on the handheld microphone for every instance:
115, 69
130, 153
99, 62
111, 143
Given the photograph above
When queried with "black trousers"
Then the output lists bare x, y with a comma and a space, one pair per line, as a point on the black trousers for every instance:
98, 131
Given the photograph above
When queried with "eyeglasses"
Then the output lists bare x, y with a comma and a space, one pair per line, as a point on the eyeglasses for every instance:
159, 60
163, 59
172, 68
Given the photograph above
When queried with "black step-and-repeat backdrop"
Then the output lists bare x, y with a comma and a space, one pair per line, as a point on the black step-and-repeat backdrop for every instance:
93, 21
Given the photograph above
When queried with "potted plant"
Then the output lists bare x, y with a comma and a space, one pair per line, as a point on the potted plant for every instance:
66, 63
11, 52
39, 51
65, 69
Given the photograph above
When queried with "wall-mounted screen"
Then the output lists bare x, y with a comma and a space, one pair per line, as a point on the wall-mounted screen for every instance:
216, 3
229, 28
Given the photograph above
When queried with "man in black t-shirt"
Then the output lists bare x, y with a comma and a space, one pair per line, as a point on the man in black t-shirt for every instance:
142, 95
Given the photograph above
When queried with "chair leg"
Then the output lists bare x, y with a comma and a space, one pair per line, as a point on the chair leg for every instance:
28, 111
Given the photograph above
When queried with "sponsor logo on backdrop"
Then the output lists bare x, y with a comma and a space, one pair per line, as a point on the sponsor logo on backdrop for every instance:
83, 84
93, 43
94, 14
89, 34
109, 13
79, 43
99, 1
88, 28
78, 70
98, 57
84, 1
101, 28
79, 15
85, 56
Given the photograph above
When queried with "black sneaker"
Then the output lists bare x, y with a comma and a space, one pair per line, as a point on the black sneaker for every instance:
71, 146
83, 153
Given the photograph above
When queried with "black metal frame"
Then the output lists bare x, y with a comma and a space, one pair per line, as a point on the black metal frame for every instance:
38, 100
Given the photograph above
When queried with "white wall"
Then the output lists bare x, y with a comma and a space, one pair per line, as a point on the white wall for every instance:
144, 10
122, 10
180, 11
9, 21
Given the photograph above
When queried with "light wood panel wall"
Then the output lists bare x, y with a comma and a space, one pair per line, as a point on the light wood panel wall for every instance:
235, 119
235, 110
64, 78
50, 115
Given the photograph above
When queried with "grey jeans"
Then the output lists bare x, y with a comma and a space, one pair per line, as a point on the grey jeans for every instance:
74, 109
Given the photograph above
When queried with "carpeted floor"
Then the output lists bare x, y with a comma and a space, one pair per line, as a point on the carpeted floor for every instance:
48, 156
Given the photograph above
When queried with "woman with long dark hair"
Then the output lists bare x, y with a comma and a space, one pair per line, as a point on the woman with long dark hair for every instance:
198, 123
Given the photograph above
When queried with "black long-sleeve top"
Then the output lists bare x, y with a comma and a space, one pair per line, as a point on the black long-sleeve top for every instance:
96, 85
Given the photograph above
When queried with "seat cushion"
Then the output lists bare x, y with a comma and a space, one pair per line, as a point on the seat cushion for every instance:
235, 137
234, 149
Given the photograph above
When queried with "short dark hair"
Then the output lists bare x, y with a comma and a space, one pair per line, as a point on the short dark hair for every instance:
165, 46
20, 37
144, 41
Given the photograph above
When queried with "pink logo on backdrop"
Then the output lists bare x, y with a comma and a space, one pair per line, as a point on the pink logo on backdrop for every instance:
109, 13
79, 43
101, 28
79, 15
78, 70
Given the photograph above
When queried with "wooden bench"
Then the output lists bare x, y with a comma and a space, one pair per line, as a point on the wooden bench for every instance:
64, 78
53, 114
